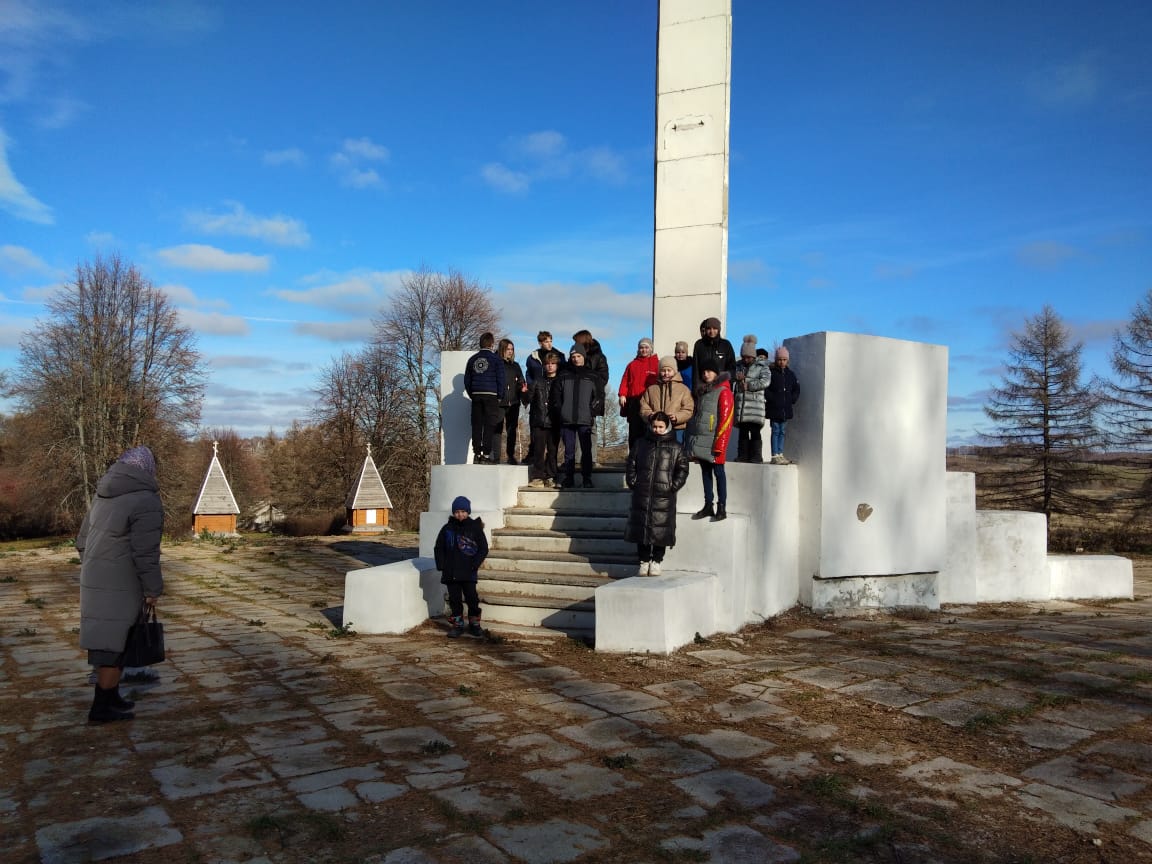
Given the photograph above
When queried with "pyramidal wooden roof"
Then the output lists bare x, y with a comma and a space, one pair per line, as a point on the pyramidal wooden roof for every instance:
215, 495
369, 492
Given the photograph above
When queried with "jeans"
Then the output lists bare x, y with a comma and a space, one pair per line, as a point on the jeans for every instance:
707, 469
570, 434
778, 437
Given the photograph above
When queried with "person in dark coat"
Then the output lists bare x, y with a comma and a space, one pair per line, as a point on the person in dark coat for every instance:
544, 422
581, 402
595, 360
515, 386
782, 393
712, 346
656, 470
461, 548
484, 382
119, 549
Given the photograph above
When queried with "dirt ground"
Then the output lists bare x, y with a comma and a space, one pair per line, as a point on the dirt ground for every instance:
837, 798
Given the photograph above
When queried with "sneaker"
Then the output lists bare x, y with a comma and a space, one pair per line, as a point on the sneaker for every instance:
140, 675
549, 483
538, 483
704, 512
643, 568
474, 629
654, 568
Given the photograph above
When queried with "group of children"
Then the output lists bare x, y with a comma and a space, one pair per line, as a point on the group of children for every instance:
669, 424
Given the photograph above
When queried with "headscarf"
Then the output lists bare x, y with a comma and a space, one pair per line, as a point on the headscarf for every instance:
140, 457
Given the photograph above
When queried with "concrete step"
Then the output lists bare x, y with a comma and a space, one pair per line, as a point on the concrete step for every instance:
520, 632
538, 611
512, 583
548, 519
561, 563
606, 502
578, 543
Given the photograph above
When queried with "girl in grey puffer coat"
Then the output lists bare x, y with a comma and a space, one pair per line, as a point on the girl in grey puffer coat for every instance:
749, 383
119, 548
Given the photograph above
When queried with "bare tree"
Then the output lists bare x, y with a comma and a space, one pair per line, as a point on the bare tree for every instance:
111, 368
1045, 421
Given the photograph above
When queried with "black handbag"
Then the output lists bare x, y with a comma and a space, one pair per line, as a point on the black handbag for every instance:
145, 645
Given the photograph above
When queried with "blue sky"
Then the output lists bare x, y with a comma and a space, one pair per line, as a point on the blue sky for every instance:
933, 172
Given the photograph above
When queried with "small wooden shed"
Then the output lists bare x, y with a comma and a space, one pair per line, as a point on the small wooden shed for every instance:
216, 509
368, 502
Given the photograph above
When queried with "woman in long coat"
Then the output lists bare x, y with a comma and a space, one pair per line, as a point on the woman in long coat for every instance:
119, 548
657, 469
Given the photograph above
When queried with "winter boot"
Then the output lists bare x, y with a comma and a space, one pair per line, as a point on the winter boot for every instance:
474, 628
103, 710
119, 702
457, 628
704, 512
721, 514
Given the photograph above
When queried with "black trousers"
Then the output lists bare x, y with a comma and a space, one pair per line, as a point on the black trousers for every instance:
486, 417
545, 447
458, 593
510, 428
651, 553
749, 444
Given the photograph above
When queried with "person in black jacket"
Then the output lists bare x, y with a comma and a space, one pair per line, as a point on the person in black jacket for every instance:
712, 345
657, 469
484, 382
461, 548
595, 360
782, 393
581, 402
544, 421
514, 389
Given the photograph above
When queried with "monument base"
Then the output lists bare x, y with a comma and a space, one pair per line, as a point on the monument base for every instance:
861, 595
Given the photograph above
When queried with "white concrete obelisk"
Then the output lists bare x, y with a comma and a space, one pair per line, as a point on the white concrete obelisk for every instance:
693, 88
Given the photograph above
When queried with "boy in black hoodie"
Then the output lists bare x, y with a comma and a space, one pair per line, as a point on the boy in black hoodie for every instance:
461, 548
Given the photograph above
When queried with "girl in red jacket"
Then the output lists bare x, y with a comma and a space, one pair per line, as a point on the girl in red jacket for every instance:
640, 373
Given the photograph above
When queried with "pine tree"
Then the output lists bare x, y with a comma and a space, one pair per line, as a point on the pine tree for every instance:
1128, 404
1045, 421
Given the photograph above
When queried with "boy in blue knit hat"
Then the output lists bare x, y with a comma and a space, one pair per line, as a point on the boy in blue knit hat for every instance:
461, 548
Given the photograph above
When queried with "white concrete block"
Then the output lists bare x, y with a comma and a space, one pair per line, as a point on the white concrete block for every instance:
455, 409
693, 53
488, 487
957, 582
869, 435
679, 11
1089, 577
692, 192
692, 122
1012, 557
392, 598
655, 615
859, 594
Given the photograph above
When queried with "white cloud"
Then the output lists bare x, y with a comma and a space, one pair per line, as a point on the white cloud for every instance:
1046, 254
39, 293
287, 156
352, 163
180, 294
194, 256
1068, 85
14, 198
214, 322
571, 306
356, 293
238, 222
546, 155
16, 259
100, 239
336, 331
504, 179
13, 329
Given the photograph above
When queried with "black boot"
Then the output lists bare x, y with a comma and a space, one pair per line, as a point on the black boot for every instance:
721, 514
119, 702
704, 512
103, 711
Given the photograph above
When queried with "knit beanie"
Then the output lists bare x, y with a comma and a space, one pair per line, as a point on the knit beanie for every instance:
461, 503
140, 457
668, 363
643, 342
577, 348
711, 322
682, 346
709, 364
748, 349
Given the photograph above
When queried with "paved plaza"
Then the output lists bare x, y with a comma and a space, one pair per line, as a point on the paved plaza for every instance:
994, 733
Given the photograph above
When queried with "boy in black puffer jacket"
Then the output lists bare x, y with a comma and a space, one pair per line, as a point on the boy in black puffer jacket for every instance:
657, 469
461, 548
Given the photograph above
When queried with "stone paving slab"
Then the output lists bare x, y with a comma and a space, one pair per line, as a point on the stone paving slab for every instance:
99, 839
